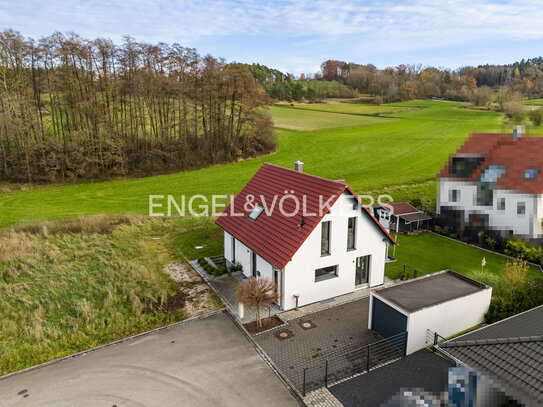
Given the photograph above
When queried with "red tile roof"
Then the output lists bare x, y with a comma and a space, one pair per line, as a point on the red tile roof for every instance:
500, 149
275, 237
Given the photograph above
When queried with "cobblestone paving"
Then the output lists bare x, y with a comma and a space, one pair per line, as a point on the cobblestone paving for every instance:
337, 330
321, 398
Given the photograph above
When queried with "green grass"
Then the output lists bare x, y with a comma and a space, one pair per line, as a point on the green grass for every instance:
401, 156
353, 108
64, 292
295, 118
210, 237
430, 253
534, 102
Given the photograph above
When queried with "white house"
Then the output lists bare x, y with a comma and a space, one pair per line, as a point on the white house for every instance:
310, 235
494, 182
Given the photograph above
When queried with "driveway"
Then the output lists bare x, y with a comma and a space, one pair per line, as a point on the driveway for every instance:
203, 362
331, 332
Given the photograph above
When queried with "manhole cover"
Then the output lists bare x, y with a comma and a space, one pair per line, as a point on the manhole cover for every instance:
306, 324
283, 334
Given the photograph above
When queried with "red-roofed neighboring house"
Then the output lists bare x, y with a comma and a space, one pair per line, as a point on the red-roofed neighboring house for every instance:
494, 181
310, 235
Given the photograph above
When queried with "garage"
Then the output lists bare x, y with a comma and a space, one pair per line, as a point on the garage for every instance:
444, 302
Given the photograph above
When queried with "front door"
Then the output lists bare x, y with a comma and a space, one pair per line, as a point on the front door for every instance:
253, 264
362, 270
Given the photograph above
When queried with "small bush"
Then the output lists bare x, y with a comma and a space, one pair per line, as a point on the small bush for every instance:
519, 249
536, 117
202, 262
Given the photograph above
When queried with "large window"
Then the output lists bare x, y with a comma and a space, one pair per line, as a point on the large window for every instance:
325, 273
325, 238
521, 208
362, 269
351, 233
501, 204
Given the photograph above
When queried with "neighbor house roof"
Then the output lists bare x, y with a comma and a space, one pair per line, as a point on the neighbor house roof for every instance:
517, 156
510, 352
399, 208
273, 236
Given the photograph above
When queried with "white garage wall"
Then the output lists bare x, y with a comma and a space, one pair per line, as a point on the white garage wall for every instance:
299, 274
447, 319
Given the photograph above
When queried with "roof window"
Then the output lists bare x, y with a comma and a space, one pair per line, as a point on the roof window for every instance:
492, 173
253, 216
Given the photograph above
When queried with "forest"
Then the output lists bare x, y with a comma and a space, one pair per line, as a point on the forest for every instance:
73, 108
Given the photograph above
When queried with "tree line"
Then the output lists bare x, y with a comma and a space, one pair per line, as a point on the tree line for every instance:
73, 108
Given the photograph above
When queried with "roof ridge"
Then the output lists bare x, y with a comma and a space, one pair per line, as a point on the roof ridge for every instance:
495, 341
306, 174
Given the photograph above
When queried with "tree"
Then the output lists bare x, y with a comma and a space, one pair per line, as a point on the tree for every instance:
257, 293
482, 96
536, 116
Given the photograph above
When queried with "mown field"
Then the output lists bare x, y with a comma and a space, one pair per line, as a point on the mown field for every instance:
66, 287
533, 102
430, 253
400, 157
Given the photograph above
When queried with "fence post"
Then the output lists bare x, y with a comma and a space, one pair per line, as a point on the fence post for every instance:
305, 370
368, 359
326, 374
436, 338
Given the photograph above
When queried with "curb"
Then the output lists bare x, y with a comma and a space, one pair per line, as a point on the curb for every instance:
84, 352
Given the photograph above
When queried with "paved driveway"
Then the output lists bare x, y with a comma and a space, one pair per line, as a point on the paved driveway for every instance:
204, 362
336, 331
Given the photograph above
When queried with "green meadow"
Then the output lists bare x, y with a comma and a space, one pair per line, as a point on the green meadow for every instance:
398, 154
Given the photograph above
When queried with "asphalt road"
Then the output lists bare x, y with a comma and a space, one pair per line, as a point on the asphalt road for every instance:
203, 362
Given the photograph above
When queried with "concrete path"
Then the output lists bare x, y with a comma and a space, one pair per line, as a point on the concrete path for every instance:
203, 362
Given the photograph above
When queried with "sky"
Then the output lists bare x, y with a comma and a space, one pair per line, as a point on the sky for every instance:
297, 36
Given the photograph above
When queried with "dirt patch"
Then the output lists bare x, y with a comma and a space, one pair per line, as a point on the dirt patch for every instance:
194, 295
267, 323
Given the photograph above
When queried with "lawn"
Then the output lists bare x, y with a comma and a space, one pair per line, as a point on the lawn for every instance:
430, 253
533, 102
67, 287
297, 118
400, 157
338, 106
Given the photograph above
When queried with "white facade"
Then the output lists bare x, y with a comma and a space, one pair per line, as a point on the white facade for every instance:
528, 224
447, 318
298, 277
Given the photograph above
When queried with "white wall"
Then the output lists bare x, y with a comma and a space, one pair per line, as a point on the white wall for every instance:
528, 225
447, 319
299, 274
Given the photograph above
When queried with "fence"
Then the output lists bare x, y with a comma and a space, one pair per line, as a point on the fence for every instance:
356, 361
433, 339
398, 270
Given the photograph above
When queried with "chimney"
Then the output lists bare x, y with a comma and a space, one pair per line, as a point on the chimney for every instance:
299, 166
517, 132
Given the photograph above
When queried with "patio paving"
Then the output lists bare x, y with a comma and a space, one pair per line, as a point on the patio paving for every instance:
336, 330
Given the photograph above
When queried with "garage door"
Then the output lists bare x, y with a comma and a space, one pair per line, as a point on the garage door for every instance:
387, 321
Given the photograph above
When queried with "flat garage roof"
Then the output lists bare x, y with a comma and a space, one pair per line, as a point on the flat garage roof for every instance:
431, 290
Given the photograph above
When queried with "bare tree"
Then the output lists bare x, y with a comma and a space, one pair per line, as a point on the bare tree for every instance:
257, 293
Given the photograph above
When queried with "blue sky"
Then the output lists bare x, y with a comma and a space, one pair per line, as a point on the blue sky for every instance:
296, 36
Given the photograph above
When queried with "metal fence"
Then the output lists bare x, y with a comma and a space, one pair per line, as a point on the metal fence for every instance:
404, 270
353, 362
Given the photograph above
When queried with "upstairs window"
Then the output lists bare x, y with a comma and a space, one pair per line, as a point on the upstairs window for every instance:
454, 195
501, 204
257, 211
351, 232
325, 238
531, 174
521, 208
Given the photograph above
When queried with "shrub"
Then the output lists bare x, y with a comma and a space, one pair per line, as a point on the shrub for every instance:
519, 249
504, 306
236, 267
208, 268
536, 117
202, 261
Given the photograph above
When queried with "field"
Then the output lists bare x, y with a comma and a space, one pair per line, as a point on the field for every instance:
533, 102
430, 253
400, 157
66, 287
336, 106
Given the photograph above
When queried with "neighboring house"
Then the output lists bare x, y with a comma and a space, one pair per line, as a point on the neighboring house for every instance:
494, 181
399, 217
312, 256
509, 353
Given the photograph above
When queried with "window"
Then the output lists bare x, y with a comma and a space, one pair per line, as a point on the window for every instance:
253, 216
233, 249
501, 204
362, 269
485, 194
325, 273
521, 208
531, 173
351, 231
454, 195
325, 238
492, 173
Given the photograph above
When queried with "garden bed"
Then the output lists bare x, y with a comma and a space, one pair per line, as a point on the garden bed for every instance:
267, 323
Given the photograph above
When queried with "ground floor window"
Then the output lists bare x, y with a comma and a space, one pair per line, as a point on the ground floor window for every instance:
362, 269
325, 273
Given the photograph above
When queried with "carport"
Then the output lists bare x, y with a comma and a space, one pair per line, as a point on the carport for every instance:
445, 302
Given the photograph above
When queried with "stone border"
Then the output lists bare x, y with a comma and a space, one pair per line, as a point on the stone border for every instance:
129, 338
